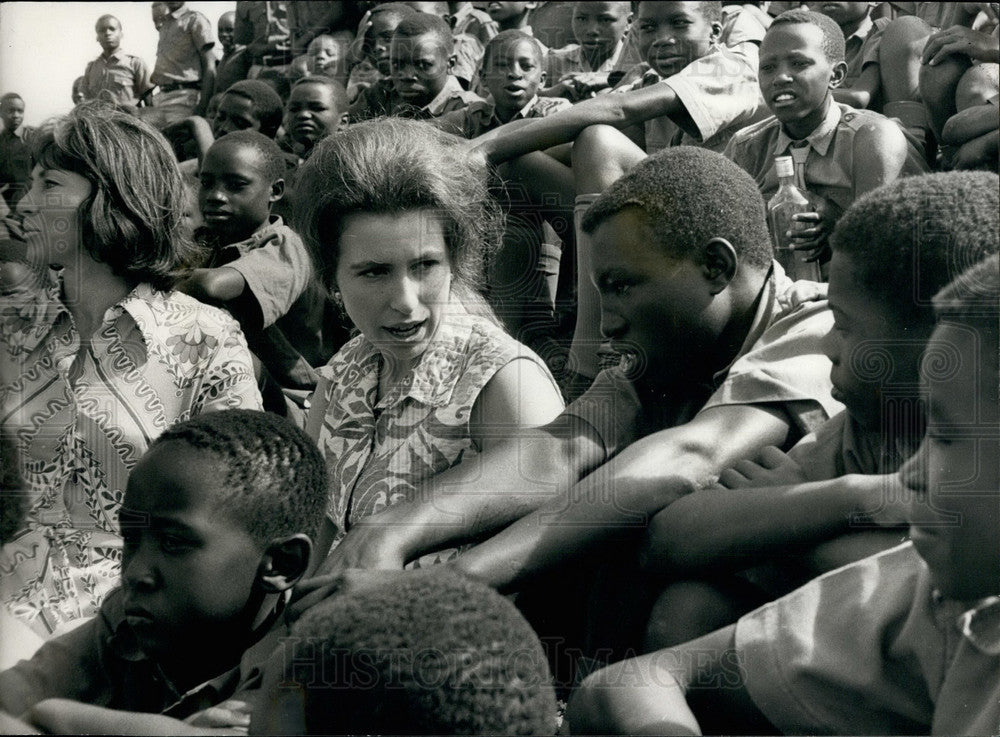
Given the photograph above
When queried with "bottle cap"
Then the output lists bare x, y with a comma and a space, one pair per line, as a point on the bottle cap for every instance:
783, 166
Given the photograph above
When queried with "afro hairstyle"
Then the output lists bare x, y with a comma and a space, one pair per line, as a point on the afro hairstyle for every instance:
432, 653
270, 153
690, 195
418, 24
266, 103
274, 477
909, 238
833, 37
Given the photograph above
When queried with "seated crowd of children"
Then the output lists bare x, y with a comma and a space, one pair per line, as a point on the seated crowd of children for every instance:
603, 367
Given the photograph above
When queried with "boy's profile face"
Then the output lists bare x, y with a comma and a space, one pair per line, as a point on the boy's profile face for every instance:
236, 194
420, 67
109, 33
843, 14
598, 27
501, 12
227, 30
513, 75
673, 34
12, 113
189, 569
865, 333
651, 304
312, 114
796, 76
235, 113
954, 477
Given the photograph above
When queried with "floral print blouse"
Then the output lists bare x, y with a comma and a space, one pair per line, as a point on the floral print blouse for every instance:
81, 424
378, 452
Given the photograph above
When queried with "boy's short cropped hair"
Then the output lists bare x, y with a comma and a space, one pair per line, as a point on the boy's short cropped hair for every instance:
337, 92
690, 195
973, 298
418, 24
505, 39
710, 10
922, 231
10, 96
266, 103
274, 160
432, 653
833, 37
132, 219
275, 477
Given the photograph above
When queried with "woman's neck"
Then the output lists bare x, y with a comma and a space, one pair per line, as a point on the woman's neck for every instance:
88, 292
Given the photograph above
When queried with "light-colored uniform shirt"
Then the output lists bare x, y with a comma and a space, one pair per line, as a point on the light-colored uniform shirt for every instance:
185, 33
480, 117
720, 92
81, 425
781, 363
824, 161
870, 648
570, 60
123, 75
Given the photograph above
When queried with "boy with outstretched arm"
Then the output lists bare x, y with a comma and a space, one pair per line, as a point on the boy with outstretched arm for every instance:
258, 268
903, 642
823, 504
209, 559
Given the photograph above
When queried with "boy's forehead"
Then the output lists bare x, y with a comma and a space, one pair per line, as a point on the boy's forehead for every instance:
425, 43
798, 36
669, 9
229, 156
12, 103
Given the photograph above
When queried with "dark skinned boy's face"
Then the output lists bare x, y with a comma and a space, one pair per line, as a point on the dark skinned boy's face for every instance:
312, 114
796, 77
189, 569
227, 30
235, 196
652, 305
235, 113
513, 75
109, 33
420, 67
865, 331
673, 34
843, 14
12, 113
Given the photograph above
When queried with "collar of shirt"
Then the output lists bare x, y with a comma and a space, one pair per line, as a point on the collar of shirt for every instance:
116, 56
611, 61
864, 29
53, 310
776, 283
519, 115
451, 88
246, 674
820, 139
264, 233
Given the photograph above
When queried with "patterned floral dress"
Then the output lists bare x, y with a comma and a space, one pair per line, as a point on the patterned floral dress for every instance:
80, 426
378, 452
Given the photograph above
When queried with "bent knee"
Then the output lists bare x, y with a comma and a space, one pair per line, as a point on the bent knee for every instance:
977, 86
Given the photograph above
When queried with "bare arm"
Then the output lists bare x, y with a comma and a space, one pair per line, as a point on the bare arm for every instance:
678, 691
618, 110
879, 156
738, 528
620, 497
207, 79
62, 716
511, 478
220, 284
861, 93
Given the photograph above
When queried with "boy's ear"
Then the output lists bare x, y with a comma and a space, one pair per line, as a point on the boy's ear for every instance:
838, 75
716, 33
343, 121
284, 562
719, 264
277, 190
451, 62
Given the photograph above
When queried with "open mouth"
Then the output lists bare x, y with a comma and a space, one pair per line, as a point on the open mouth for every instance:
783, 98
406, 331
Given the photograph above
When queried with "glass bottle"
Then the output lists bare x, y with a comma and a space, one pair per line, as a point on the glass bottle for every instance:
787, 201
